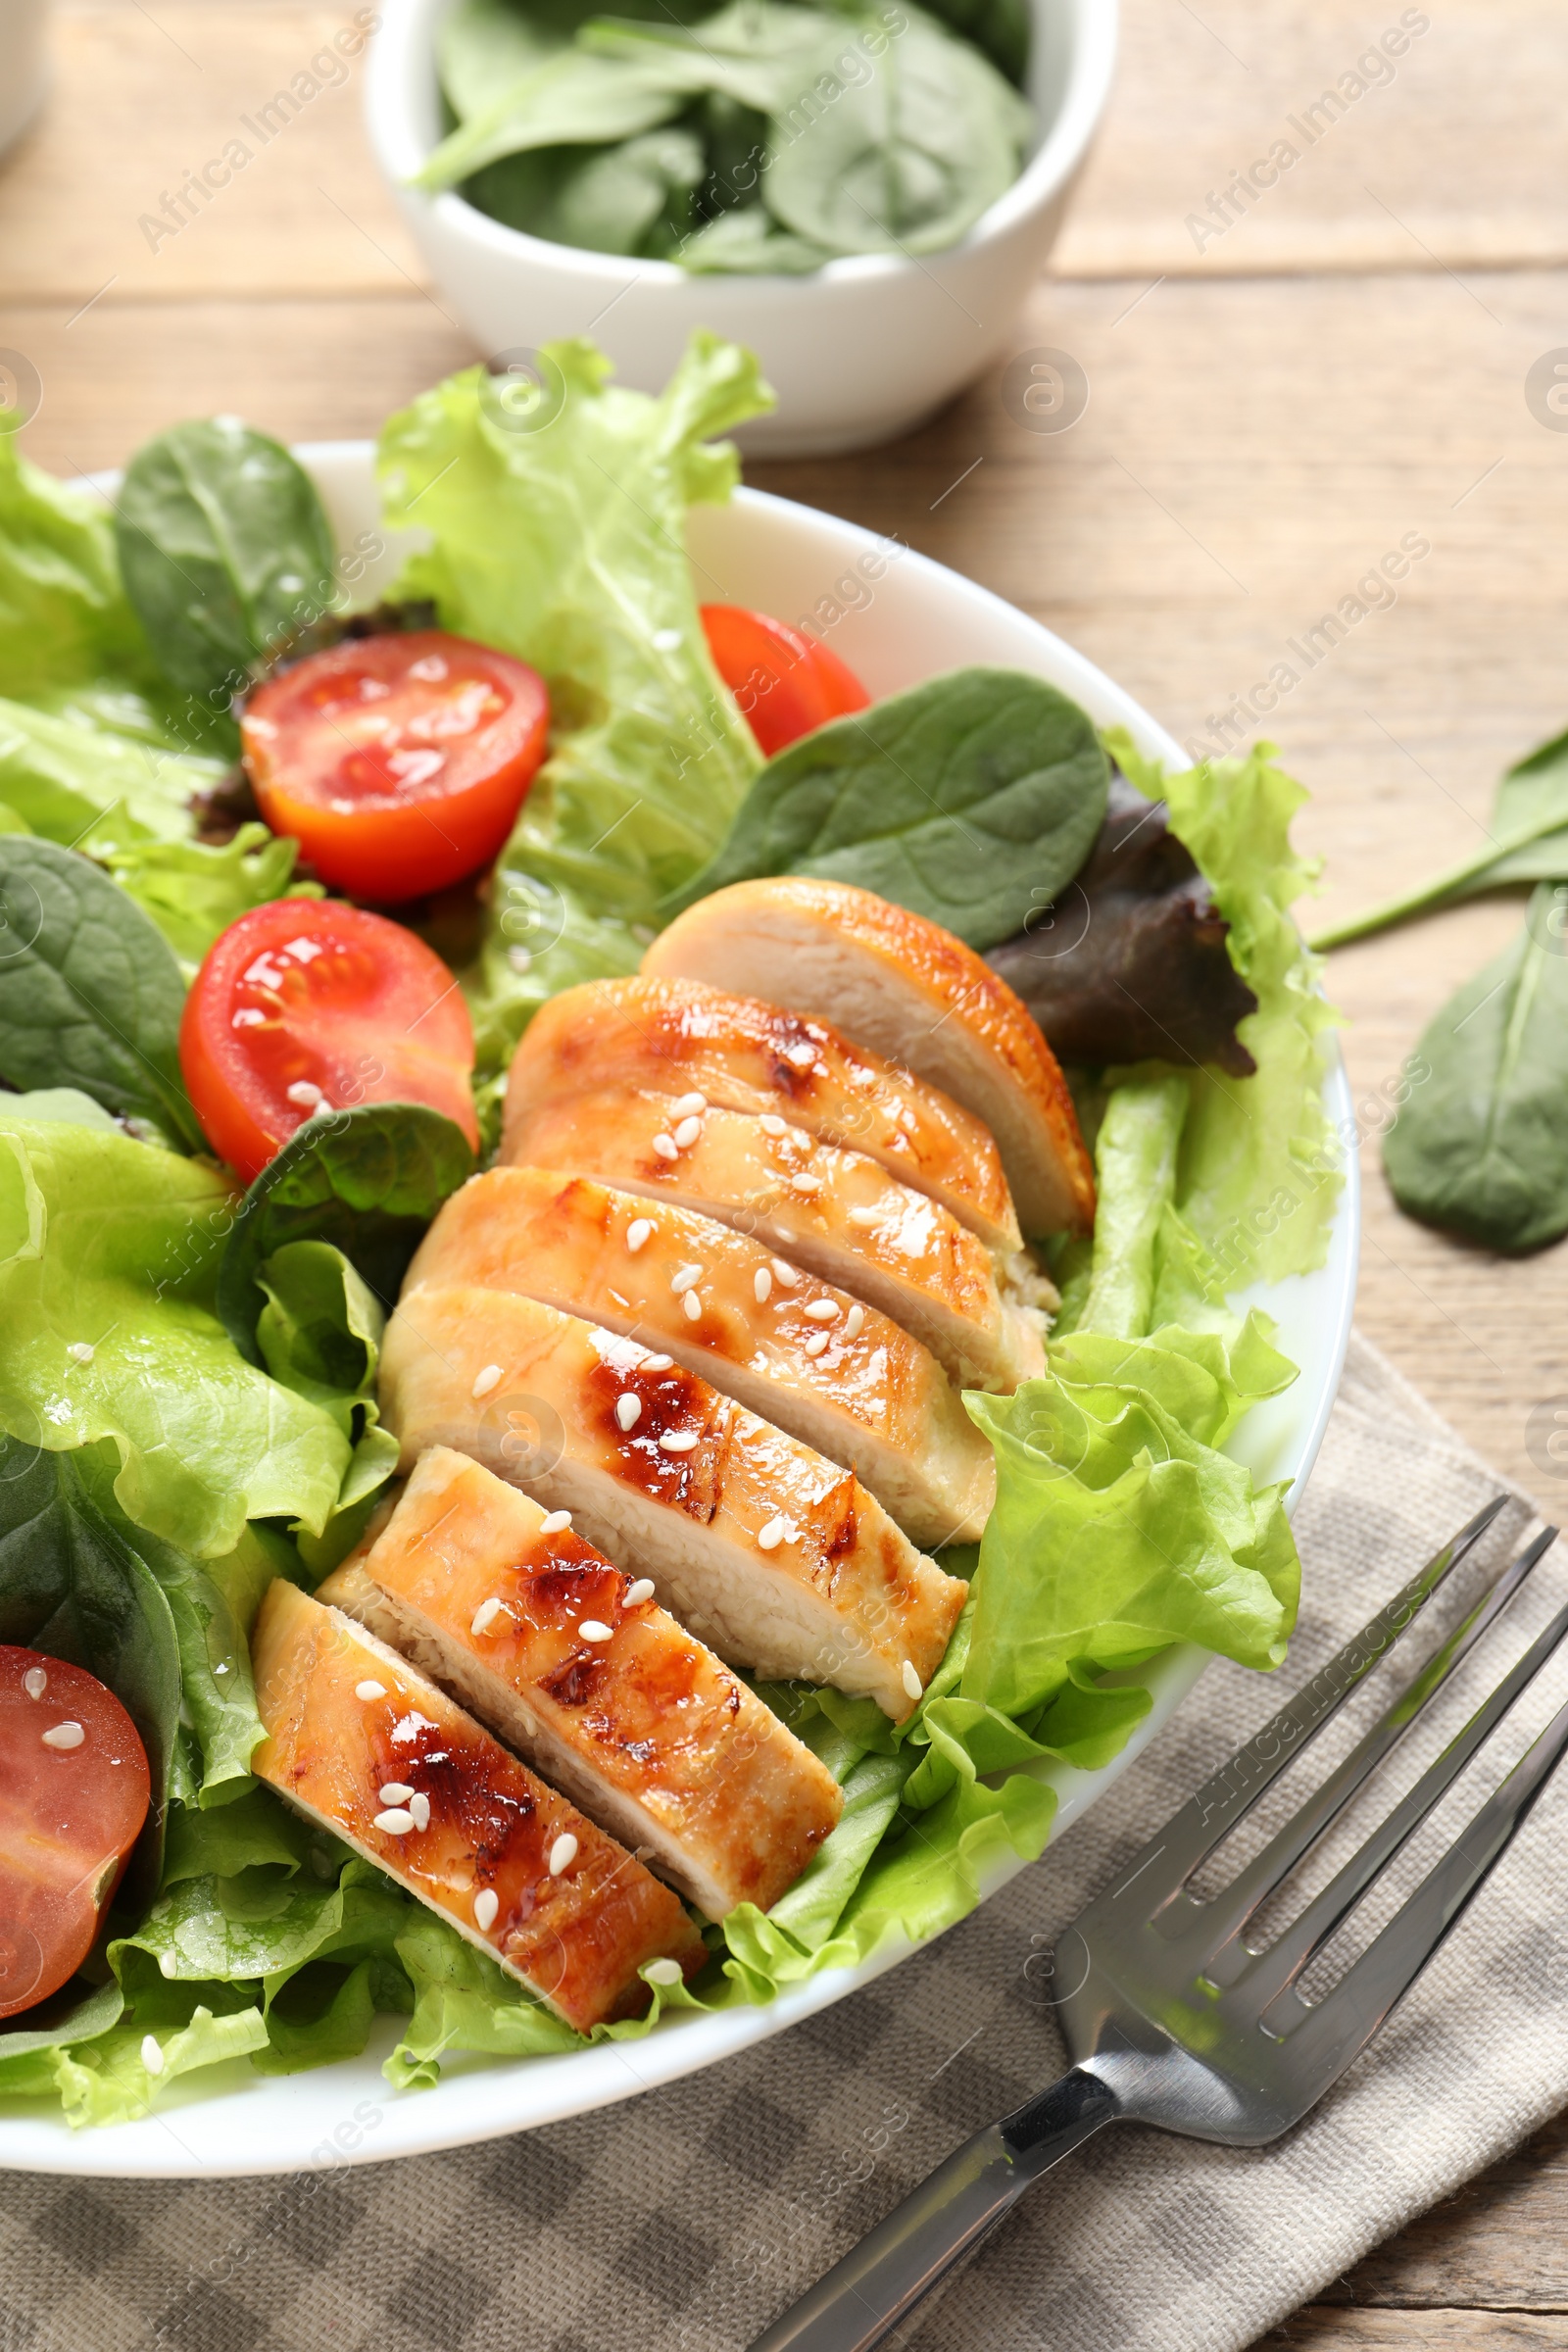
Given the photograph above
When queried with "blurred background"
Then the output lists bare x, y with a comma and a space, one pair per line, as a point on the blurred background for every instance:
1272, 396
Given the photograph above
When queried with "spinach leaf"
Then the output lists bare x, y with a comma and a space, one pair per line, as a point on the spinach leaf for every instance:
603, 199
482, 47
1527, 841
90, 996
225, 547
1482, 1146
756, 52
368, 1181
571, 100
78, 2012
999, 28
971, 799
72, 1587
749, 242
904, 160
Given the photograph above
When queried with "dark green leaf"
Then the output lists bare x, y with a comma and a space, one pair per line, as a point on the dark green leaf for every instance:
971, 799
368, 1181
999, 28
1482, 1144
224, 547
78, 2012
604, 199
90, 996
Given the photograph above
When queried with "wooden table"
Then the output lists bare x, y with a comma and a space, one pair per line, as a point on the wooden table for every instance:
1271, 409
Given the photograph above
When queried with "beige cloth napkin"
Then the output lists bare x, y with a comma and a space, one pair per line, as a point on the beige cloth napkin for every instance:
684, 2219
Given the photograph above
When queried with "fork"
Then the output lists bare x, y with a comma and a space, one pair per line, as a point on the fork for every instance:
1169, 2016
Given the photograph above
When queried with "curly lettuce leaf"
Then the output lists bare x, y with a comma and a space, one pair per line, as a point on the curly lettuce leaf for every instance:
192, 889
558, 533
110, 1248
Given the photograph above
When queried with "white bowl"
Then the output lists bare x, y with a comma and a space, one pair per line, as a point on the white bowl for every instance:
863, 350
910, 618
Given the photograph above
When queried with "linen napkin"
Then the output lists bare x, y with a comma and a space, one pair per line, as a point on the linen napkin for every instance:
684, 2219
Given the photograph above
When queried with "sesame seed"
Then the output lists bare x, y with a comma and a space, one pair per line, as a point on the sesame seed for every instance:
678, 1440
640, 1590
628, 1411
485, 1381
690, 1106
761, 1286
152, 2057
419, 1807
823, 1310
692, 1307
686, 1134
785, 1273
866, 1218
853, 1322
486, 1615
806, 1184
486, 1904
395, 1792
683, 1278
637, 1231
814, 1345
563, 1853
305, 1094
665, 1146
555, 1523
65, 1734
771, 1124
35, 1681
167, 1964
594, 1629
81, 1352
664, 1971
770, 1536
802, 1055
659, 1363
397, 1821
369, 1689
910, 1678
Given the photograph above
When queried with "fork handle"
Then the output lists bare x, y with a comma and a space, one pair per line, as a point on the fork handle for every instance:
880, 2281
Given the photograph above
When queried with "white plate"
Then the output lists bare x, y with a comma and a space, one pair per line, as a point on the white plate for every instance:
903, 619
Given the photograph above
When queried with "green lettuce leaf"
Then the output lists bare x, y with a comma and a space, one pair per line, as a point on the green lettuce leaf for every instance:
30, 2048
193, 889
558, 533
110, 1248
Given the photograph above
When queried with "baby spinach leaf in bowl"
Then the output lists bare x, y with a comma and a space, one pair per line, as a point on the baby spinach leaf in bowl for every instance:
972, 800
1482, 1144
222, 544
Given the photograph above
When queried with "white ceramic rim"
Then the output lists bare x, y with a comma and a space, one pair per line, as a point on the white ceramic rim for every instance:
400, 52
211, 2124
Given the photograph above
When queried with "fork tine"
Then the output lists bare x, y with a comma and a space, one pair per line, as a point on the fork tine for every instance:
1344, 2021
1275, 1968
1222, 1801
1226, 1916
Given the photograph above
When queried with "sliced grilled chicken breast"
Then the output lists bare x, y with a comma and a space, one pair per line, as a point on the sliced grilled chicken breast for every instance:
910, 990
360, 1742
602, 1690
834, 1211
798, 1351
774, 1558
682, 1038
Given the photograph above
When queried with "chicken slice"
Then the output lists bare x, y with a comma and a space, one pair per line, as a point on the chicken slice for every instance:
907, 989
679, 1037
360, 1741
801, 1353
638, 1723
774, 1558
834, 1211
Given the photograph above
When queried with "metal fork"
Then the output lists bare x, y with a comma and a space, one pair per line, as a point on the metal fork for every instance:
1169, 2016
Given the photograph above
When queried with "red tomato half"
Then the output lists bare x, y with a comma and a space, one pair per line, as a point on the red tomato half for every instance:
306, 1004
398, 763
785, 682
74, 1795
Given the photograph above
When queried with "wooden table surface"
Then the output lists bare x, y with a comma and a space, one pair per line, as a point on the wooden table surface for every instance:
1271, 410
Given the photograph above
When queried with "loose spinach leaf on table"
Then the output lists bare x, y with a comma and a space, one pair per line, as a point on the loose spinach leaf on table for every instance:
225, 547
368, 1181
90, 994
971, 799
1482, 1144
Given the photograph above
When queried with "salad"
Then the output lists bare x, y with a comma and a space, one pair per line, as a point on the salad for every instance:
308, 910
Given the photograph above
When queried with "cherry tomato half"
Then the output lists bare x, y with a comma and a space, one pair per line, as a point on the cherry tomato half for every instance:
307, 1004
398, 763
74, 1795
786, 683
